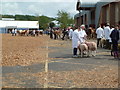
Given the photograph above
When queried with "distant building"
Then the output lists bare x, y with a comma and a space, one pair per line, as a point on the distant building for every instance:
93, 14
7, 26
8, 19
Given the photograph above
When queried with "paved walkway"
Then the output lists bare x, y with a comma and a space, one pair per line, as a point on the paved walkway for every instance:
63, 60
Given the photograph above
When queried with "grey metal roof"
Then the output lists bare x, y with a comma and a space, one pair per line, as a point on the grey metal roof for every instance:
108, 0
87, 4
77, 15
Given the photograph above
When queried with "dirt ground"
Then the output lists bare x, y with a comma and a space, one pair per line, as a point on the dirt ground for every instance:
25, 51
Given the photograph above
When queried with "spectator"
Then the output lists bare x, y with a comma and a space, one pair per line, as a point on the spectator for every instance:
70, 33
13, 32
115, 37
107, 35
65, 33
100, 34
110, 41
34, 33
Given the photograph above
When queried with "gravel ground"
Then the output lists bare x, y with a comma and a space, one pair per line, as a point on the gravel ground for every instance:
96, 78
22, 50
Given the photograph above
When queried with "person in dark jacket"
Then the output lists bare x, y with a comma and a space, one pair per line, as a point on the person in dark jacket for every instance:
115, 37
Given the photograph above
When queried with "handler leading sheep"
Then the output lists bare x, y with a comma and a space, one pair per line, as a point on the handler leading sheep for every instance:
79, 37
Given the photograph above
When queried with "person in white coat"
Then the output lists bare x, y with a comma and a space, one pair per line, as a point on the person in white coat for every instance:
75, 41
107, 32
82, 34
70, 33
15, 31
110, 40
100, 34
33, 33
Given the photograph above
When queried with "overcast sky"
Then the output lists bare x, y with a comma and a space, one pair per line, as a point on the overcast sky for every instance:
39, 7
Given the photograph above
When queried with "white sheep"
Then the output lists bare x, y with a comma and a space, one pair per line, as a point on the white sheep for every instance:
92, 47
102, 42
82, 48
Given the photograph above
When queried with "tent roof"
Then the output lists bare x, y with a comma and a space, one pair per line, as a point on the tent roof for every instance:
20, 24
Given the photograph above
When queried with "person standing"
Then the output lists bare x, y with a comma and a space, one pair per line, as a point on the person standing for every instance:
75, 41
65, 33
115, 37
110, 41
70, 33
107, 35
13, 31
83, 35
51, 33
34, 32
100, 34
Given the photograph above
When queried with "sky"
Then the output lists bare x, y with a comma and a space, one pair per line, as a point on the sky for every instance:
39, 7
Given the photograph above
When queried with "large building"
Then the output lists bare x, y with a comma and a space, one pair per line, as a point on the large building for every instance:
93, 14
8, 25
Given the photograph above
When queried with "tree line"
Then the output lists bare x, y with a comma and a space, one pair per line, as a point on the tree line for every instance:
63, 17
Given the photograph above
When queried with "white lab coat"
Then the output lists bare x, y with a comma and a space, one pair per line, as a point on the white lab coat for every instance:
107, 32
70, 33
15, 31
33, 31
100, 32
110, 33
75, 39
82, 36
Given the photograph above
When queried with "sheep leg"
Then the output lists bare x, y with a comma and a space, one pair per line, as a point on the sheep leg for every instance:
81, 53
88, 53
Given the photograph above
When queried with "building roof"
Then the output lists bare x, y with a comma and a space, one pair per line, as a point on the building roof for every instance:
90, 5
19, 24
8, 19
77, 15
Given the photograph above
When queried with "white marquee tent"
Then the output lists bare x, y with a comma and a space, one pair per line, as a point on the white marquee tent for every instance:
5, 25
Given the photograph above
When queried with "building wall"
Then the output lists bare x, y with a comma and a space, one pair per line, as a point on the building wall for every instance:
110, 13
117, 13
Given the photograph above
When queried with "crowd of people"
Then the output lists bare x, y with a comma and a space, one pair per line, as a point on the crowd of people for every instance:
111, 37
14, 32
110, 34
79, 35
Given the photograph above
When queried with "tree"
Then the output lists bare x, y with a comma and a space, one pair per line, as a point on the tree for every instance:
44, 21
7, 16
64, 19
51, 24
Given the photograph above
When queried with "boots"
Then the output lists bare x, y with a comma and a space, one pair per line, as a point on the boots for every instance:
116, 54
